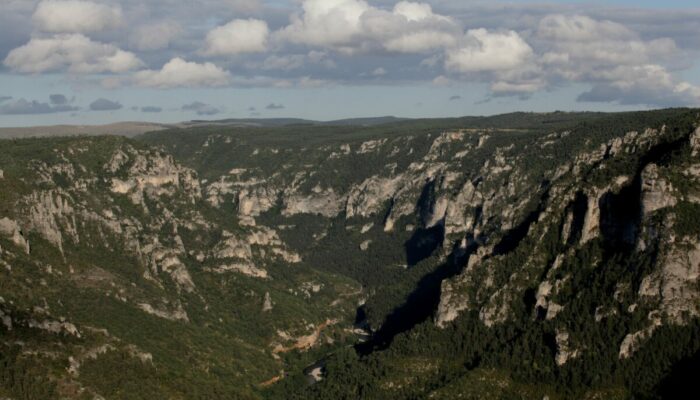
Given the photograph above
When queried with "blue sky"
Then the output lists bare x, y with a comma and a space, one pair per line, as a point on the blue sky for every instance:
171, 61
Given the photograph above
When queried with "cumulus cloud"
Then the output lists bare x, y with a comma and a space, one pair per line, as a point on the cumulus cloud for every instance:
629, 56
621, 66
326, 22
236, 37
26, 107
58, 99
201, 108
379, 72
578, 45
290, 62
5, 98
646, 84
75, 16
484, 51
284, 62
351, 25
180, 73
410, 28
274, 106
73, 52
155, 36
151, 109
105, 105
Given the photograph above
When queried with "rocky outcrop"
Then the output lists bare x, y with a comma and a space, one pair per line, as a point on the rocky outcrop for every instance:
437, 213
695, 143
55, 327
591, 221
51, 215
657, 193
152, 174
460, 214
11, 229
674, 285
324, 202
164, 259
267, 303
178, 314
371, 146
233, 247
370, 197
254, 201
564, 350
633, 341
242, 268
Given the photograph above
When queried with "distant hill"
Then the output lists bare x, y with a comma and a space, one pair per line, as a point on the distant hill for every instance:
131, 129
128, 129
274, 122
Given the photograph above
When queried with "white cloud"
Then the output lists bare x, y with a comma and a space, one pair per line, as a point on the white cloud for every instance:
180, 73
441, 80
201, 108
102, 104
73, 52
584, 44
484, 51
379, 72
296, 61
419, 42
155, 36
645, 84
621, 66
327, 22
75, 16
352, 25
286, 63
26, 107
413, 11
410, 28
238, 36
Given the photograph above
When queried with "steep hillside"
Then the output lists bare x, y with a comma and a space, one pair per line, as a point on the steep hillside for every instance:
527, 254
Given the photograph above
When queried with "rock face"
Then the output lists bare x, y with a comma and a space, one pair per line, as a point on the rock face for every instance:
50, 215
564, 350
591, 222
675, 284
577, 214
10, 228
253, 202
323, 202
175, 315
370, 196
267, 304
151, 174
633, 341
657, 193
695, 143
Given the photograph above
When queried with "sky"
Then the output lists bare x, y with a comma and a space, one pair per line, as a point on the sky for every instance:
96, 62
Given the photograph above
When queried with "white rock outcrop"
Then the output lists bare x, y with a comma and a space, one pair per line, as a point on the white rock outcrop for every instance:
326, 203
11, 229
657, 193
564, 350
370, 196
